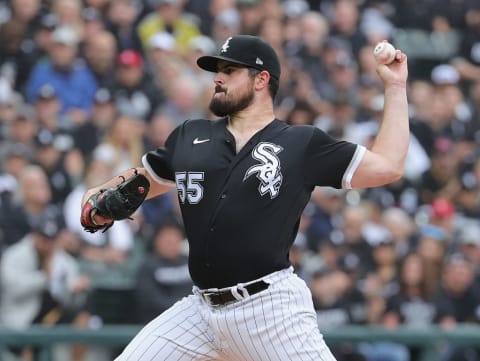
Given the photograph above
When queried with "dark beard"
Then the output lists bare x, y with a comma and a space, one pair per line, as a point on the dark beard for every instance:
222, 108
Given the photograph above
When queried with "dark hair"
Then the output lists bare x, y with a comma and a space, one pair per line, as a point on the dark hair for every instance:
272, 84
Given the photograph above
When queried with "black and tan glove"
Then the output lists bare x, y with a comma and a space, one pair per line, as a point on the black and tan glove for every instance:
115, 203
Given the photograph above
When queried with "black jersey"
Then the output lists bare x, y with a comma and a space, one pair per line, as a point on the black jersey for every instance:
241, 211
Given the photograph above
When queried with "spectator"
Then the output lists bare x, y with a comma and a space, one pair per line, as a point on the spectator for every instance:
16, 53
22, 128
33, 201
413, 14
308, 53
327, 205
449, 15
330, 290
122, 145
385, 259
469, 179
89, 135
134, 92
251, 16
25, 12
51, 149
47, 110
432, 248
378, 286
422, 92
43, 36
10, 101
456, 120
14, 160
467, 61
100, 53
69, 13
41, 284
443, 215
199, 46
458, 301
93, 23
71, 79
168, 16
326, 294
271, 30
354, 219
345, 24
100, 5
182, 100
123, 17
158, 131
374, 21
225, 23
457, 298
440, 180
301, 113
402, 230
293, 11
163, 278
413, 305
163, 60
469, 246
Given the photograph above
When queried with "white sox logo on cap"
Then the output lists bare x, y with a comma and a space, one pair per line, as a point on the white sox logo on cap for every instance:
225, 45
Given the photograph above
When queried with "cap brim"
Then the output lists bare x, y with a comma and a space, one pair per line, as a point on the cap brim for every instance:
210, 63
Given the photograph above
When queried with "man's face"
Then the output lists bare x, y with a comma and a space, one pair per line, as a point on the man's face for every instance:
63, 55
44, 245
233, 90
129, 76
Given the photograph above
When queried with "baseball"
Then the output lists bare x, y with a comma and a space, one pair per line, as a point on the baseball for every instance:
384, 52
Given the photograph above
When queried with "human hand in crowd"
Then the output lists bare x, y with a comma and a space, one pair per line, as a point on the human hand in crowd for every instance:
78, 116
70, 242
372, 286
114, 255
448, 322
104, 255
46, 264
82, 284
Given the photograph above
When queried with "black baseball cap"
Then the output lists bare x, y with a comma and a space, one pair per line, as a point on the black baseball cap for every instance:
247, 50
47, 226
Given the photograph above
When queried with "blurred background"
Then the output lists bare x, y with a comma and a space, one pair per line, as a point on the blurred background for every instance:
86, 87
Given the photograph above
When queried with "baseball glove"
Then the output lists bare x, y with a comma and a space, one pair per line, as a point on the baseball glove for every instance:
115, 203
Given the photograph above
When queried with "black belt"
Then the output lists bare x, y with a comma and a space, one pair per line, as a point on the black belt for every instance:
222, 298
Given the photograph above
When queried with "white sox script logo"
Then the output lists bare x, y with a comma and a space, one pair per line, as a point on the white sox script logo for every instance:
225, 45
268, 172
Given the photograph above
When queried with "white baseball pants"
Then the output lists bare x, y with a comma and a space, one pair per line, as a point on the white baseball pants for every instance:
277, 324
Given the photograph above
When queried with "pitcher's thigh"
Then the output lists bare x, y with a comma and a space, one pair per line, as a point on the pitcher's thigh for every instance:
178, 334
279, 324
290, 340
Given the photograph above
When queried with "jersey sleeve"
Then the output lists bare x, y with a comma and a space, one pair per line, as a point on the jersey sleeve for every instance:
331, 162
158, 162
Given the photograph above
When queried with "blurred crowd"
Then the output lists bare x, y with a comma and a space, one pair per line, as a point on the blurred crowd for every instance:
86, 87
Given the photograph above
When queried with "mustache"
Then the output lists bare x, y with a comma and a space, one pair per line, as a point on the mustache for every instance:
219, 89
